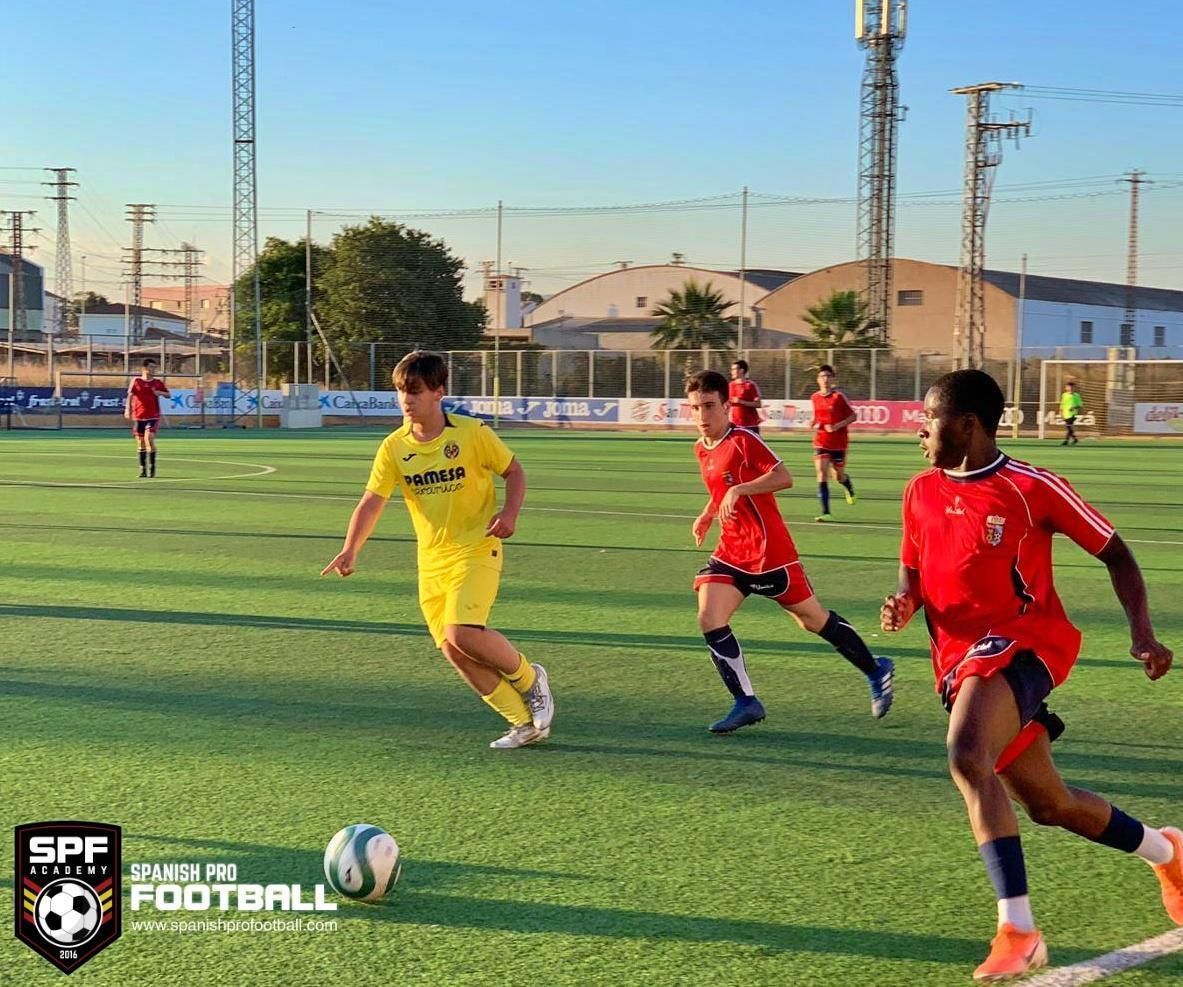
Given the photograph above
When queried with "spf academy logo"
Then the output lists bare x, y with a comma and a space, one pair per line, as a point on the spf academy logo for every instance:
68, 890
451, 450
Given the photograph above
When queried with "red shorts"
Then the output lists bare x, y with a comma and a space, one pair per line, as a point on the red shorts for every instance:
787, 585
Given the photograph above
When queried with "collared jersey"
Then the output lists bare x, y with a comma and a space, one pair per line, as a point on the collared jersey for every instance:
743, 390
145, 403
755, 538
982, 542
829, 409
447, 484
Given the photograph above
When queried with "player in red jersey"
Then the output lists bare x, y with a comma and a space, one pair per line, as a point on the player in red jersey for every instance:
755, 554
977, 557
744, 398
832, 417
142, 409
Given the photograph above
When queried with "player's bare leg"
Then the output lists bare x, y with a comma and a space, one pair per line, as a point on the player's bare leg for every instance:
470, 646
836, 631
717, 602
821, 466
842, 477
1035, 783
984, 720
150, 437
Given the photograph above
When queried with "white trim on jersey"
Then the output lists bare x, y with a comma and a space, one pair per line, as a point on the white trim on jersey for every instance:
966, 474
1073, 499
756, 436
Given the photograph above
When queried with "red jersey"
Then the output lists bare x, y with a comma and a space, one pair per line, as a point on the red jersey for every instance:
755, 538
743, 390
145, 405
982, 542
829, 409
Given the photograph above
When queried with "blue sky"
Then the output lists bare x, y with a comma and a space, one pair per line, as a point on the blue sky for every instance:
369, 106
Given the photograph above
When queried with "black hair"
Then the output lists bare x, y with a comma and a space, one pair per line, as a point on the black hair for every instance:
708, 381
742, 364
972, 392
150, 360
825, 368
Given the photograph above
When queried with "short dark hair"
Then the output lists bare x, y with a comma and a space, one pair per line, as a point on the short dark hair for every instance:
1069, 383
972, 392
148, 361
708, 381
420, 367
825, 368
742, 364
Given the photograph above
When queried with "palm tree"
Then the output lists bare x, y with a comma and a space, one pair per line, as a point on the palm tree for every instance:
693, 318
841, 320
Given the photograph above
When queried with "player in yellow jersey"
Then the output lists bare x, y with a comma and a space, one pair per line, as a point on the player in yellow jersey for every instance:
444, 465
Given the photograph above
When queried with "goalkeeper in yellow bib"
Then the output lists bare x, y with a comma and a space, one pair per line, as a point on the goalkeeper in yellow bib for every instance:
444, 465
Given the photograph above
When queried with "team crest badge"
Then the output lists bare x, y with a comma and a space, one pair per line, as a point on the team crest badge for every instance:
68, 890
994, 528
451, 450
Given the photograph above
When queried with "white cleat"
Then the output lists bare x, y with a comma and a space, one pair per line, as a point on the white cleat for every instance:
540, 700
520, 736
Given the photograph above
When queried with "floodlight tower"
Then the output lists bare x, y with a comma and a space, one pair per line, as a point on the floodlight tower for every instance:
64, 267
246, 211
879, 27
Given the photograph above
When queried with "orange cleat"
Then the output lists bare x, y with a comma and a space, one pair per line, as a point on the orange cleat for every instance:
1170, 876
1013, 953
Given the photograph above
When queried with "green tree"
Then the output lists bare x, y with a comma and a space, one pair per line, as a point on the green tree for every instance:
282, 304
90, 300
390, 283
840, 321
693, 317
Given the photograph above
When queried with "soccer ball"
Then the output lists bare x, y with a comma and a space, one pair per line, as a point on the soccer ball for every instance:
362, 862
68, 912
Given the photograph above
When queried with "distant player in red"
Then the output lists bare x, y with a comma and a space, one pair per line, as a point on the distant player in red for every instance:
755, 554
142, 409
832, 417
744, 397
977, 557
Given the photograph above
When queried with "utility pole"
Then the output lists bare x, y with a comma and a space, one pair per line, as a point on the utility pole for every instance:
191, 261
246, 211
138, 213
983, 152
743, 269
879, 27
1129, 335
63, 274
18, 304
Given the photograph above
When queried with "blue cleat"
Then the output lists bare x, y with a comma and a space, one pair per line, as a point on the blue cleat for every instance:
881, 687
746, 711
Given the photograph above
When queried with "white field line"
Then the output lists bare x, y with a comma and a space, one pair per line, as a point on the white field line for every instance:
853, 526
1105, 966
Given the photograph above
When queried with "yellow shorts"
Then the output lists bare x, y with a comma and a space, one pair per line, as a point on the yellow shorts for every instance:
463, 594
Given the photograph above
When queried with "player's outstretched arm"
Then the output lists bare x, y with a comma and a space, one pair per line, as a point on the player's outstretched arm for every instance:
361, 526
900, 607
1130, 588
505, 521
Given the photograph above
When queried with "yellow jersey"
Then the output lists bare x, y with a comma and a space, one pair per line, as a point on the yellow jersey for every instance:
448, 486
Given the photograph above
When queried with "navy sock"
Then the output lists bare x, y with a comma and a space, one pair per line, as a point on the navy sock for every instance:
848, 644
845, 481
728, 658
823, 494
1004, 863
152, 460
143, 459
1123, 832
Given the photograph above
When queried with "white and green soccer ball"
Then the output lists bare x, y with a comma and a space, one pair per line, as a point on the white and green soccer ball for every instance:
362, 862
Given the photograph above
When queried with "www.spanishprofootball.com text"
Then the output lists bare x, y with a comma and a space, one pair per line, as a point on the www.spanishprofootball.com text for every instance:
290, 926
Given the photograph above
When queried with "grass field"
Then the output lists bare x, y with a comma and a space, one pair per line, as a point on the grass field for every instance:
172, 663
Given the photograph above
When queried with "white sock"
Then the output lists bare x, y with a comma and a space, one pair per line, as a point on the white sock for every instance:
1155, 848
1016, 911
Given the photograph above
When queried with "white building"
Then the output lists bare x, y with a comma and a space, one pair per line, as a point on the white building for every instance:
118, 321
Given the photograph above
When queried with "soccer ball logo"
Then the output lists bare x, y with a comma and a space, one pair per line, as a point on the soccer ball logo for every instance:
68, 912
